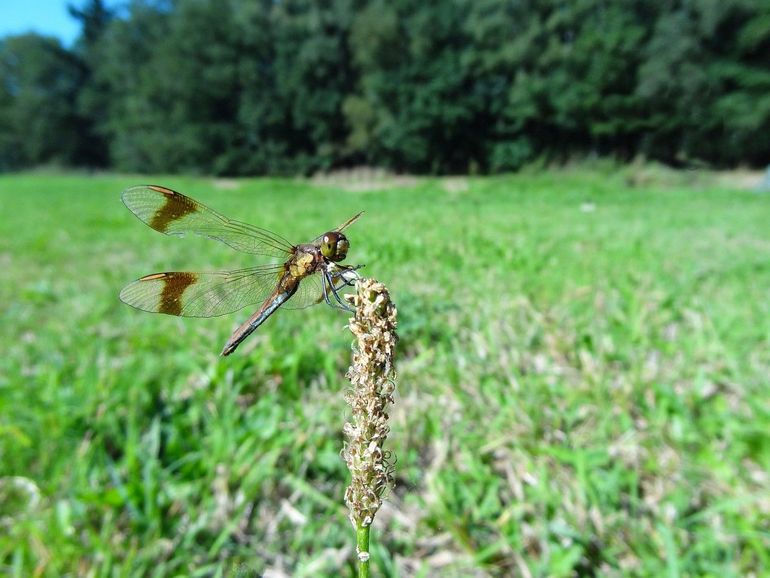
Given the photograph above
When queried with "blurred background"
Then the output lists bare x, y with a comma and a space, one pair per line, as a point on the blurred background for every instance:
567, 200
245, 88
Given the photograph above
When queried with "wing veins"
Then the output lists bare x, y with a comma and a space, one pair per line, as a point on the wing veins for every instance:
221, 288
173, 213
273, 242
264, 233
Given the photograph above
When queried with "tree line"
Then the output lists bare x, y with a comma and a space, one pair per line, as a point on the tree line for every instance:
243, 87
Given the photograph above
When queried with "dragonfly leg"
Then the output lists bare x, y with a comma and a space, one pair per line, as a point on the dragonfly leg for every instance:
331, 279
325, 292
347, 273
342, 303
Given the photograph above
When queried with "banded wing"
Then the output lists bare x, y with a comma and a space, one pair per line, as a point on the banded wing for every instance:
173, 213
193, 294
211, 294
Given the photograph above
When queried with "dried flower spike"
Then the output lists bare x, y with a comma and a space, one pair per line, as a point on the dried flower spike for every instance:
372, 375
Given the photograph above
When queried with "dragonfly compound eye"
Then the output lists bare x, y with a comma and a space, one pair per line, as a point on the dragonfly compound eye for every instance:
334, 246
342, 248
329, 245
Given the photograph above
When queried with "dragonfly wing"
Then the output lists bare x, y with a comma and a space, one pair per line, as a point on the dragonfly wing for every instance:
350, 221
347, 223
195, 294
173, 213
309, 293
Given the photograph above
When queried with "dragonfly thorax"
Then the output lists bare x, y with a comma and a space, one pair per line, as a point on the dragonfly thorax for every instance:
334, 246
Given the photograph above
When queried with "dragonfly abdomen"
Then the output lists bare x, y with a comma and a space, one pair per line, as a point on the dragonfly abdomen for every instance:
287, 288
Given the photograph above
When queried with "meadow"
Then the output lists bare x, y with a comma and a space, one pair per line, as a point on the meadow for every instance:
582, 382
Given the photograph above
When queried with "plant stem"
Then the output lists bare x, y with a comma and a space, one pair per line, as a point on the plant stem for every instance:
372, 376
362, 549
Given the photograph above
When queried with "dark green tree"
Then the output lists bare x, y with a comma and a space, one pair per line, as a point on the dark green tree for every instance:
297, 86
737, 37
297, 72
39, 82
94, 93
173, 74
705, 83
417, 106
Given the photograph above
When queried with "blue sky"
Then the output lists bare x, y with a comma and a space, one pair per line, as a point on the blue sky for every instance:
43, 16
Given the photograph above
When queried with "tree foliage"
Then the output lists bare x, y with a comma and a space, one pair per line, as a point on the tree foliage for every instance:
38, 93
264, 87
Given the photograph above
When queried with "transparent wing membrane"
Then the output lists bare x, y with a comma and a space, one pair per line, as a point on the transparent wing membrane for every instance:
195, 294
173, 213
309, 293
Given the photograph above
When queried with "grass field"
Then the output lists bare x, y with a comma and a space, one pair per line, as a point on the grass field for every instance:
583, 383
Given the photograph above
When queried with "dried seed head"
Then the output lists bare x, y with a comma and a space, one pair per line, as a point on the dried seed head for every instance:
372, 375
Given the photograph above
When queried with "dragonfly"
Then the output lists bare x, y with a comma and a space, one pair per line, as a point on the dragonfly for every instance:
299, 275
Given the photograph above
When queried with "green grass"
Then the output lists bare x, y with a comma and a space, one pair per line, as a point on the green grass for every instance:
583, 384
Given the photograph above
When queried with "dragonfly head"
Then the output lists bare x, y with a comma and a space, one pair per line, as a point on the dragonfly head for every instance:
334, 246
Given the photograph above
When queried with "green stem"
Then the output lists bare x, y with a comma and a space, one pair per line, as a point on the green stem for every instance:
362, 549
